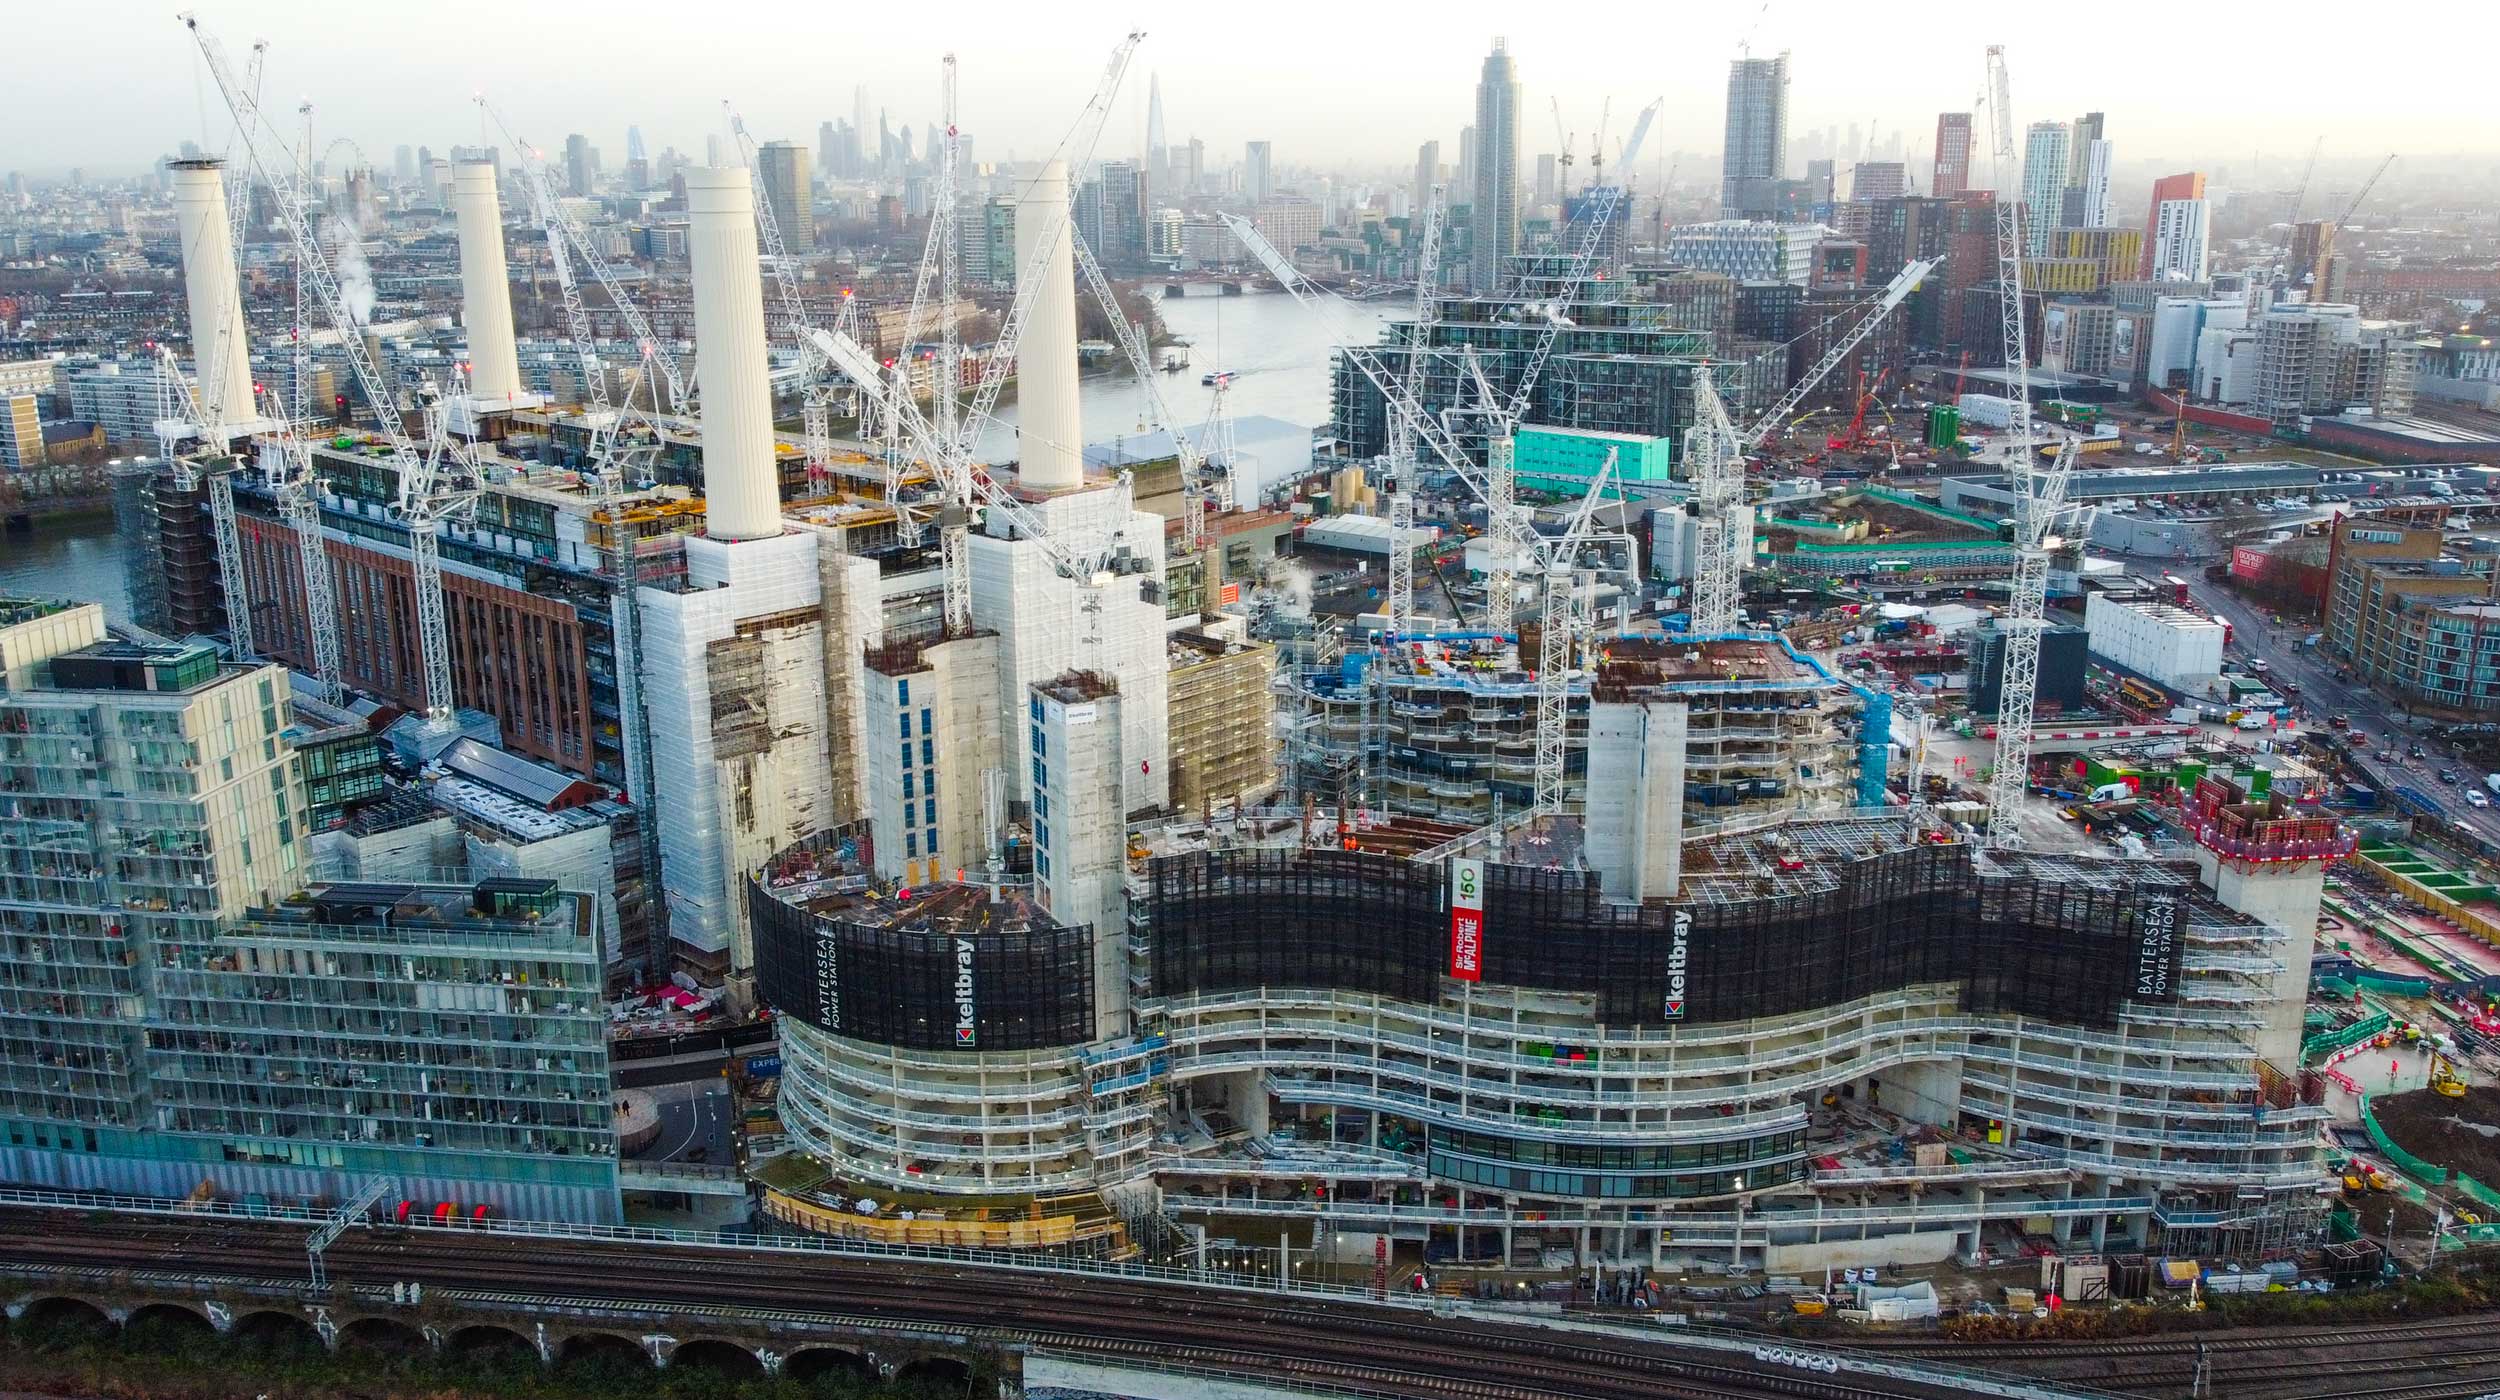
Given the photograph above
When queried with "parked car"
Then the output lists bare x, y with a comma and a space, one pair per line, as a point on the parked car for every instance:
2448, 776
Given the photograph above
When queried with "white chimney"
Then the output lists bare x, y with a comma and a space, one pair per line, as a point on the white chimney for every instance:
1050, 434
741, 493
485, 287
219, 351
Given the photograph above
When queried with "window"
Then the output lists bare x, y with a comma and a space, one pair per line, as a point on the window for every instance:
928, 811
1041, 863
924, 720
1041, 806
911, 845
1041, 835
902, 692
928, 750
1041, 746
931, 837
907, 753
1041, 775
1037, 709
908, 794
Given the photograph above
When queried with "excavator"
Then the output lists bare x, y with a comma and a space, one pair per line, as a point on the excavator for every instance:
2445, 1081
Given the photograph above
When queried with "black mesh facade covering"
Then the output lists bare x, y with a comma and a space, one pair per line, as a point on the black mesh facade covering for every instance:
923, 988
2071, 950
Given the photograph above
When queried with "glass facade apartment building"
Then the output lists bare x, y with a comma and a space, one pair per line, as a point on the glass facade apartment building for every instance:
179, 1012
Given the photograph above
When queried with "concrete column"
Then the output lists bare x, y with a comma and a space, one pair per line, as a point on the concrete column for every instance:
220, 352
485, 285
1050, 433
741, 492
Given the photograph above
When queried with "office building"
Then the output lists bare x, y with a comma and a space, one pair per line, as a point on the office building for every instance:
1258, 172
2047, 147
789, 187
746, 660
933, 729
1122, 206
581, 165
1747, 250
1951, 175
1755, 153
1427, 175
2086, 201
2180, 238
1494, 206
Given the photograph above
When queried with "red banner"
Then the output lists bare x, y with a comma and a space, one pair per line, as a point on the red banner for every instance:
1467, 920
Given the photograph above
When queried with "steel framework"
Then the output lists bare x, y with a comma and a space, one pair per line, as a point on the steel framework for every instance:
181, 419
1402, 431
435, 483
2038, 497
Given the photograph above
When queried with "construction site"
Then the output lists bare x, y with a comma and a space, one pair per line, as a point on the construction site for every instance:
1100, 901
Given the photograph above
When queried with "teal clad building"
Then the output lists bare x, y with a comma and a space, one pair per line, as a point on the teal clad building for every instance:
1566, 459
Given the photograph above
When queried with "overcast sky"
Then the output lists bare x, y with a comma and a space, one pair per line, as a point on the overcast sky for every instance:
110, 84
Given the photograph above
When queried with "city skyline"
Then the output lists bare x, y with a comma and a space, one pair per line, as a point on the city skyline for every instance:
1322, 106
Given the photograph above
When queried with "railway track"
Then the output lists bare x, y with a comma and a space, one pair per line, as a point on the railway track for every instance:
1378, 1351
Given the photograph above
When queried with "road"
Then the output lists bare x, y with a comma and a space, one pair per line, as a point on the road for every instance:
2322, 695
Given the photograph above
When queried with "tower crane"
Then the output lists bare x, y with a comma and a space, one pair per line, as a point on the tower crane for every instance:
1565, 625
2322, 266
435, 483
941, 269
1562, 133
180, 418
950, 450
1714, 461
621, 443
2039, 499
288, 468
815, 412
238, 181
652, 350
1402, 429
2301, 191
1197, 474
1505, 528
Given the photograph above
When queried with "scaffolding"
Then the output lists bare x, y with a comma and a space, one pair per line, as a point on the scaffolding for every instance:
1223, 747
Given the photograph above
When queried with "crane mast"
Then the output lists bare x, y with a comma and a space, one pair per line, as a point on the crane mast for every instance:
298, 488
1402, 428
180, 418
1192, 455
434, 483
1714, 457
648, 346
2322, 267
1564, 625
2038, 498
